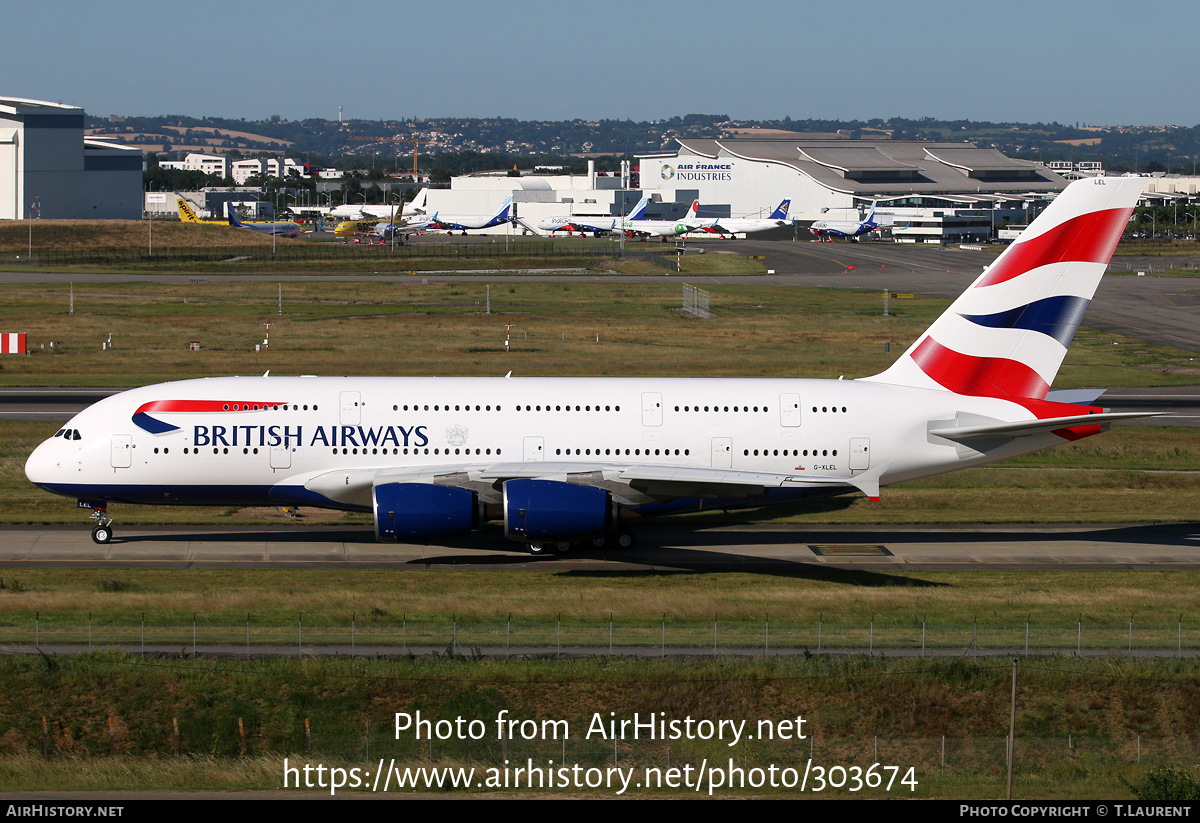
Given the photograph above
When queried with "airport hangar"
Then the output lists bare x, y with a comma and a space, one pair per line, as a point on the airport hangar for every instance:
939, 191
48, 168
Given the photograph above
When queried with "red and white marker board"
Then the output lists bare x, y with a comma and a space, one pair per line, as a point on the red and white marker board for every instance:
12, 343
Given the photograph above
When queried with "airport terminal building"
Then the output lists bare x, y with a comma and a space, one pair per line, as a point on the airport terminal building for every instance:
49, 169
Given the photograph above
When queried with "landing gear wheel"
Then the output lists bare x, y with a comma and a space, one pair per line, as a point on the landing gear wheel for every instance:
599, 542
102, 534
562, 547
623, 539
537, 548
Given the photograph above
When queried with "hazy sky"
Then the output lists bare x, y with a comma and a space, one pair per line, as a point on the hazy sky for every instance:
1098, 62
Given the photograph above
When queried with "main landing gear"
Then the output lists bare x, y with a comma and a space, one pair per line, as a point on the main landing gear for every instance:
102, 533
620, 539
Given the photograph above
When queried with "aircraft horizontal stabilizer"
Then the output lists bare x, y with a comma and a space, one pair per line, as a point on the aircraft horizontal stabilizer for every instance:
991, 431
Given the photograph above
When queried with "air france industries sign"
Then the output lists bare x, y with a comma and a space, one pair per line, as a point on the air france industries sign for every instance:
698, 172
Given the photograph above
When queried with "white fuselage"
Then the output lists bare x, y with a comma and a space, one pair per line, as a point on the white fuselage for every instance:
745, 225
323, 440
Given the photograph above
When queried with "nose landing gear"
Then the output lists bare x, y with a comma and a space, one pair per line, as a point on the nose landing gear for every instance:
102, 533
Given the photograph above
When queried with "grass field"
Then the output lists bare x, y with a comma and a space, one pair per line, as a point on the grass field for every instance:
116, 247
444, 329
1082, 726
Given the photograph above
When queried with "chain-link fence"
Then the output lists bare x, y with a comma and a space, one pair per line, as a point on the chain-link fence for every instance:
507, 635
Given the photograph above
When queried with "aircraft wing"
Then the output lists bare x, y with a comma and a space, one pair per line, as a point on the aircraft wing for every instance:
630, 484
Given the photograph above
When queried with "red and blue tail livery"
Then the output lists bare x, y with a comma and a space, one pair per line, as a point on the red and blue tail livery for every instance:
1007, 335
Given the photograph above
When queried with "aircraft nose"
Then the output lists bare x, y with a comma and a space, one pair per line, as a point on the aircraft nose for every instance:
40, 466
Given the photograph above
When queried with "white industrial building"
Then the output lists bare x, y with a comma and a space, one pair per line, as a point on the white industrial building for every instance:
49, 169
536, 196
838, 179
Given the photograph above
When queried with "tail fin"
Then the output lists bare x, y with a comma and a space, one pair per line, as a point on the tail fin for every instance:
186, 215
870, 221
233, 216
417, 205
781, 212
1007, 334
694, 210
504, 213
639, 210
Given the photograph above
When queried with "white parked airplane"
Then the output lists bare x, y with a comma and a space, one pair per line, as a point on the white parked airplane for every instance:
357, 211
749, 225
582, 224
560, 460
641, 227
462, 222
848, 228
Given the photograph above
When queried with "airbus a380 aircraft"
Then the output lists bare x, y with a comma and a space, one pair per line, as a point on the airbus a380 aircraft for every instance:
573, 459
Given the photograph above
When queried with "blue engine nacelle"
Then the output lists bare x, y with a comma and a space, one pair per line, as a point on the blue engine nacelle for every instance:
538, 510
415, 510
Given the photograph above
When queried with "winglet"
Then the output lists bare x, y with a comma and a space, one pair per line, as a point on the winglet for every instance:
868, 482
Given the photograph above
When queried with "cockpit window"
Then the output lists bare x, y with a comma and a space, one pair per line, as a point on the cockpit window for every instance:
75, 434
60, 432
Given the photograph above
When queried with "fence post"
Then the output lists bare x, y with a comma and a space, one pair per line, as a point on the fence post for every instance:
871, 639
664, 635
89, 631
241, 739
924, 618
1027, 617
714, 635
453, 635
175, 726
1131, 633
558, 654
143, 634
367, 737
508, 637
37, 628
307, 735
45, 739
1179, 649
404, 629
610, 621
300, 632
352, 616
112, 739
193, 635
767, 637
247, 631
1012, 729
820, 620
1079, 636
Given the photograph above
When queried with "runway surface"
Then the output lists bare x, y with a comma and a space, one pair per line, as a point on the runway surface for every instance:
781, 549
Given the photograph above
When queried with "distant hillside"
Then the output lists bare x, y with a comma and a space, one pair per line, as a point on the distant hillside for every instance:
1120, 148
